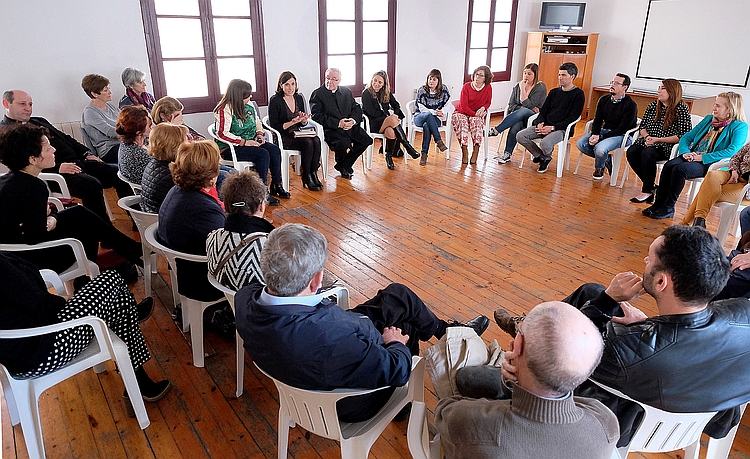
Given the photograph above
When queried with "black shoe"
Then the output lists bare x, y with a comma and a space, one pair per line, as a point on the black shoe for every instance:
536, 159
608, 165
700, 221
403, 415
478, 323
277, 189
662, 213
309, 183
271, 201
543, 164
127, 271
316, 180
153, 393
389, 161
649, 199
598, 174
145, 308
506, 322
350, 170
647, 211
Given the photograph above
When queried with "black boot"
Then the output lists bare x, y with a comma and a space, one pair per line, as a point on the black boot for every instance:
307, 181
151, 391
401, 136
316, 180
389, 147
277, 189
397, 151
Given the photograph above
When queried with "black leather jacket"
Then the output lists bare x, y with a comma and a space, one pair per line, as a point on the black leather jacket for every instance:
694, 362
156, 183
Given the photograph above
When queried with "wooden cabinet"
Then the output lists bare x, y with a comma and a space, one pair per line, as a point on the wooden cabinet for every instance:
550, 49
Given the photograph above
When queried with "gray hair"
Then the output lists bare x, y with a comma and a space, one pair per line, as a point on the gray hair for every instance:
562, 346
292, 255
131, 76
9, 96
334, 69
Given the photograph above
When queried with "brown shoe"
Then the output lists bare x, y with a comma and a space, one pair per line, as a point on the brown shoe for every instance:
464, 154
423, 160
506, 322
441, 146
474, 154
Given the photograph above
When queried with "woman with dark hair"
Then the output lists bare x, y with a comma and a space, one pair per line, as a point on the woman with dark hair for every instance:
164, 141
286, 113
135, 89
432, 97
133, 127
527, 98
468, 118
384, 112
234, 263
99, 118
719, 136
664, 122
238, 123
169, 110
190, 211
28, 219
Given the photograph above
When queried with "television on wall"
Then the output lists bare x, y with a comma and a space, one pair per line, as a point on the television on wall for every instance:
562, 15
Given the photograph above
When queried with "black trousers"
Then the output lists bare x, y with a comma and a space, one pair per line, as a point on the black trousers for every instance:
89, 186
347, 145
642, 160
309, 148
673, 177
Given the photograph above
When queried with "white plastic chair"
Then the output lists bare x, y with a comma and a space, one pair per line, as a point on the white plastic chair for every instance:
661, 431
22, 394
234, 162
418, 436
64, 191
501, 135
729, 215
486, 130
617, 153
239, 342
411, 108
81, 267
136, 187
563, 147
142, 220
315, 411
285, 154
192, 310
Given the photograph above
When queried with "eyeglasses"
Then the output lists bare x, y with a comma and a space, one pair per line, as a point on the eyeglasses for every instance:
616, 83
332, 79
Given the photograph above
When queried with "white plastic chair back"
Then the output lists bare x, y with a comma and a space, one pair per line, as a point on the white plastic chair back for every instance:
136, 187
729, 213
22, 394
315, 411
192, 310
617, 153
142, 220
411, 109
237, 164
563, 147
285, 154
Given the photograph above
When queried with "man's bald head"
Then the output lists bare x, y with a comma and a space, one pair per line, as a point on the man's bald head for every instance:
17, 105
562, 347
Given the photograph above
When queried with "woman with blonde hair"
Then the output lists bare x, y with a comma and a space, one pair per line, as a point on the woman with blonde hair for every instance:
468, 118
719, 136
384, 112
169, 110
164, 141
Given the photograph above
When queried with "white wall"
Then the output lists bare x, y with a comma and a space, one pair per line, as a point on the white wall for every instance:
49, 45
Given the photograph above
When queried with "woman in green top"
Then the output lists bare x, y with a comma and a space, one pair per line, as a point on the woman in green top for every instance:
238, 123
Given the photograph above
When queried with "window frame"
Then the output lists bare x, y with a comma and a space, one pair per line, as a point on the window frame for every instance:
357, 88
497, 76
205, 103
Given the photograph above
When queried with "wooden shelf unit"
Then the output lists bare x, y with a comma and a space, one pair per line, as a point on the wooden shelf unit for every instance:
578, 48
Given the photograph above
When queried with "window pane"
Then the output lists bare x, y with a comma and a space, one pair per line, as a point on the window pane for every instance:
480, 33
186, 78
501, 35
177, 7
481, 10
233, 37
375, 37
371, 63
229, 69
503, 9
499, 58
340, 9
230, 7
346, 65
340, 37
477, 57
374, 9
180, 37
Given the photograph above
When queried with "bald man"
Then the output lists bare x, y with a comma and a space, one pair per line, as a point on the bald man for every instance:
556, 349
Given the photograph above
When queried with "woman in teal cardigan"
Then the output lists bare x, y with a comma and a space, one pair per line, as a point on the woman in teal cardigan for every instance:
717, 137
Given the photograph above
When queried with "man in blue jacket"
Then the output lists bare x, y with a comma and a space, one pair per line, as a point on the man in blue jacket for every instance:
301, 338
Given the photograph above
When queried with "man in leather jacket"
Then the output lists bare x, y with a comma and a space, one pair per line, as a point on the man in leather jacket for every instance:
693, 356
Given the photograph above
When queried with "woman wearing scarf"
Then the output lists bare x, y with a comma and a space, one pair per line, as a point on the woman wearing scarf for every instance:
135, 89
717, 137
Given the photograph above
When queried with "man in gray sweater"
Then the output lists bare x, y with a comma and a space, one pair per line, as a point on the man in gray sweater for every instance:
556, 349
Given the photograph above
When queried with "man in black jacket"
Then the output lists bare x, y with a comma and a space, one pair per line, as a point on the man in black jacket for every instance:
336, 110
84, 173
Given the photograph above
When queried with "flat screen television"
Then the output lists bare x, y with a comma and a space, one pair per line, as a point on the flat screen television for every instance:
562, 15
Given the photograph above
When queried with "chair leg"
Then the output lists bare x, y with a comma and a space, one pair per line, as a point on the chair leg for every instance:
285, 424
691, 452
354, 448
194, 310
240, 356
127, 373
523, 157
30, 422
147, 268
578, 164
560, 158
285, 169
625, 175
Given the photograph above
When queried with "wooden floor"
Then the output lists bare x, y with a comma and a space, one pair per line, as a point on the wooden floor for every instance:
466, 239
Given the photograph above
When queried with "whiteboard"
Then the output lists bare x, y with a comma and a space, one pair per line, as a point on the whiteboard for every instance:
697, 41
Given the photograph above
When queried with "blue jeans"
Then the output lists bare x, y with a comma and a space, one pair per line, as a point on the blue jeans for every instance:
266, 156
429, 124
515, 121
600, 151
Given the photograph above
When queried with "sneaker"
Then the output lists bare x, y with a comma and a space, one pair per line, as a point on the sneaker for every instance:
504, 158
506, 322
608, 165
441, 146
493, 132
536, 159
598, 174
543, 164
478, 323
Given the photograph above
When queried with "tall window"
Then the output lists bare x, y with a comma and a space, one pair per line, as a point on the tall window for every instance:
359, 38
195, 47
489, 39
